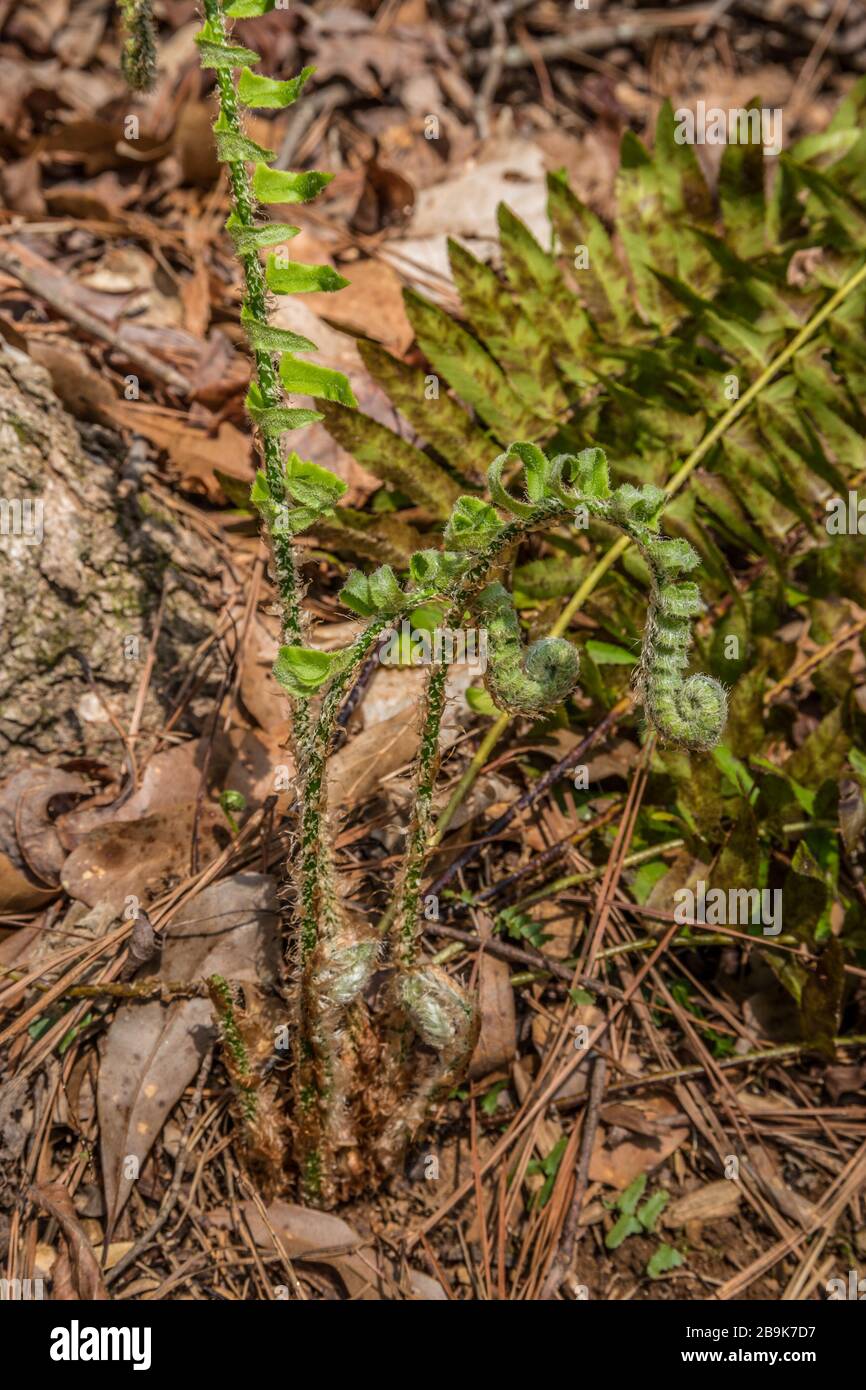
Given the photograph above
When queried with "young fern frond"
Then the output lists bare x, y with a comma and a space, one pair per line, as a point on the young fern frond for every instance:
523, 681
289, 494
526, 681
691, 712
336, 957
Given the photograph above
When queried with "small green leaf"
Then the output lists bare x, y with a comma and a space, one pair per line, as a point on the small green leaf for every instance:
260, 493
234, 148
224, 55
480, 702
296, 278
385, 592
249, 9
646, 878
437, 569
309, 379
266, 93
535, 467
627, 1225
664, 1259
303, 670
593, 474
428, 617
472, 524
68, 1038
275, 419
281, 186
652, 1209
606, 654
311, 485
267, 339
488, 1102
627, 1201
376, 594
355, 594
247, 239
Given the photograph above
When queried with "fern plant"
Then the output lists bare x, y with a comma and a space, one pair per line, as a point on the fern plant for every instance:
424, 1001
346, 1129
713, 344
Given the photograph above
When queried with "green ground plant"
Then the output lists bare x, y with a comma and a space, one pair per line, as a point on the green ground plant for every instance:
635, 360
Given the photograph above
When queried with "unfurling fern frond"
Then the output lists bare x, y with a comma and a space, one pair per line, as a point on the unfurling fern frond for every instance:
523, 680
646, 357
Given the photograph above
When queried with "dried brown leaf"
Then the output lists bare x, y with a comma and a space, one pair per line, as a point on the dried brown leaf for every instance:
79, 1275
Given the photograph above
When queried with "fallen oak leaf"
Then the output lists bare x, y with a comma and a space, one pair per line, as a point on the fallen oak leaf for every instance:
619, 1165
18, 892
497, 1039
711, 1202
28, 835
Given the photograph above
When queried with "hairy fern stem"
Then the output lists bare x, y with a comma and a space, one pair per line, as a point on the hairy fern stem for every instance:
314, 874
138, 56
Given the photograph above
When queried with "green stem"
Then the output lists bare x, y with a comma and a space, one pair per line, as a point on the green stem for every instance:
426, 768
422, 839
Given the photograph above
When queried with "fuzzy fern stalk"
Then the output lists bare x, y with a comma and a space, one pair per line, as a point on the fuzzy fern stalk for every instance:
246, 1039
289, 494
693, 711
138, 56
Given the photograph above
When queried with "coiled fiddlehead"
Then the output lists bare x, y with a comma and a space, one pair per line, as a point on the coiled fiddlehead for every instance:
443, 1016
523, 680
690, 711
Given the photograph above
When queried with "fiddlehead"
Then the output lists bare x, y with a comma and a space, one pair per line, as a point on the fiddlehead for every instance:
445, 1019
690, 711
523, 680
